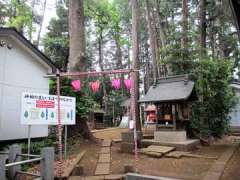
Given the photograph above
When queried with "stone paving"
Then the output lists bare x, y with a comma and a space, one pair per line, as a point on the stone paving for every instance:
104, 161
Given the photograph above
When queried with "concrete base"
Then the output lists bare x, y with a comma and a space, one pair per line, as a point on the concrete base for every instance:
134, 176
127, 144
170, 136
129, 136
186, 145
127, 147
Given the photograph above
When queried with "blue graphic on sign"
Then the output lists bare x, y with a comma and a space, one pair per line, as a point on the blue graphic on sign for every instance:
42, 114
46, 113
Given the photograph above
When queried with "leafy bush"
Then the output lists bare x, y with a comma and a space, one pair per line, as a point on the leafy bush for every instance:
216, 97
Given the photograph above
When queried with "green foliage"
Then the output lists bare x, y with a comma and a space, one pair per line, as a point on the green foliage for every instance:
21, 16
216, 98
84, 102
56, 42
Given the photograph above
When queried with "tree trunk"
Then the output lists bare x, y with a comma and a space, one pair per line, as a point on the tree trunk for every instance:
77, 47
147, 69
31, 26
77, 57
162, 30
202, 28
153, 43
135, 59
184, 40
100, 60
41, 23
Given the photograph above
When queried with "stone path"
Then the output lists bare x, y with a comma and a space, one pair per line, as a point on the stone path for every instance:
216, 171
103, 165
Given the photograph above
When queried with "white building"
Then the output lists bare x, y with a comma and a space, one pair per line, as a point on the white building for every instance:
235, 114
22, 69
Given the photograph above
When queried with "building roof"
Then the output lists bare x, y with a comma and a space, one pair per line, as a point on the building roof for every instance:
235, 6
28, 44
235, 85
169, 89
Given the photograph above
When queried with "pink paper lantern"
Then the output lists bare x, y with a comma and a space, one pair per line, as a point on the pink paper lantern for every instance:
95, 86
116, 83
128, 83
76, 84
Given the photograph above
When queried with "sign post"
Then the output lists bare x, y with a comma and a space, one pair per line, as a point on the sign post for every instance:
42, 109
29, 140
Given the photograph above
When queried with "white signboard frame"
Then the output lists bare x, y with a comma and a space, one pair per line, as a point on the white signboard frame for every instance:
42, 109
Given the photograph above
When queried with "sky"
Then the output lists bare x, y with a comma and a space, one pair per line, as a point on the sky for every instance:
50, 12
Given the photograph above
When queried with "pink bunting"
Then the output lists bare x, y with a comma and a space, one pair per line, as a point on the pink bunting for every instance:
76, 84
116, 83
95, 86
128, 83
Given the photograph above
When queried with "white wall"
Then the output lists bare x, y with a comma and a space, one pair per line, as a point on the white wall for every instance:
235, 114
20, 72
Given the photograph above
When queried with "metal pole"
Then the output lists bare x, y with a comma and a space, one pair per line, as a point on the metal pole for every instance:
29, 140
23, 162
65, 143
59, 128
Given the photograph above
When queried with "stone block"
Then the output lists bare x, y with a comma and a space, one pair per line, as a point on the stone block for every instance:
102, 169
170, 136
104, 158
105, 150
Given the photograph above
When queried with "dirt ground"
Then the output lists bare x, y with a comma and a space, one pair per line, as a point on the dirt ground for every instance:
184, 168
232, 171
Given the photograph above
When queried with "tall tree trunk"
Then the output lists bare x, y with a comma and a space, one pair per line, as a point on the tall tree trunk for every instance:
162, 30
146, 69
77, 48
202, 27
212, 38
153, 43
101, 64
77, 57
118, 54
100, 54
135, 58
41, 23
184, 40
31, 26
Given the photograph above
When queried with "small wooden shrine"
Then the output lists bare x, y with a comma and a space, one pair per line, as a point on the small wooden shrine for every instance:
97, 119
173, 97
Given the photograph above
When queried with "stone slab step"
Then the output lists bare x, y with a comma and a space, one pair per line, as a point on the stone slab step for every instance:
105, 150
106, 143
102, 169
151, 154
106, 177
159, 149
104, 158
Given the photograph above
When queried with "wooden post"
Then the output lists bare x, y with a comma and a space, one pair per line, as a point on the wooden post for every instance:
174, 117
2, 167
14, 151
47, 163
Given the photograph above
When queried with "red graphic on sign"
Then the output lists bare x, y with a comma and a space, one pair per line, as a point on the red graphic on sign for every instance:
44, 104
